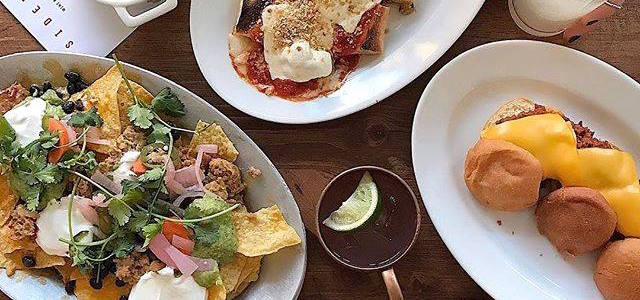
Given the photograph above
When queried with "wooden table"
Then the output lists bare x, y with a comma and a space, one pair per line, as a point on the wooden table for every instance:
309, 156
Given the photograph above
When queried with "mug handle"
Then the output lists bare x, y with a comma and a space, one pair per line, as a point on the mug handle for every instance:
393, 288
587, 23
134, 21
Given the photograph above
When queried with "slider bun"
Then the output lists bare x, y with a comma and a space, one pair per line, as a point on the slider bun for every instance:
502, 175
576, 220
617, 273
514, 108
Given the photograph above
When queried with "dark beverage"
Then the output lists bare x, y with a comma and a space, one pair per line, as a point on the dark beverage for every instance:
384, 238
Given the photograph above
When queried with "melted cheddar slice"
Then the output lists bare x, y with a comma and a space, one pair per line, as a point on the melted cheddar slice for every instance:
551, 140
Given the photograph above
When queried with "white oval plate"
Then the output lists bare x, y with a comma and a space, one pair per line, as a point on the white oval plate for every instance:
282, 273
512, 261
412, 44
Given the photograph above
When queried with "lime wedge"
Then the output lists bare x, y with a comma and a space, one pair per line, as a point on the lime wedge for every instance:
358, 209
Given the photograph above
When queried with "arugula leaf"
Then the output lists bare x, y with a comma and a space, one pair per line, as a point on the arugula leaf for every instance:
149, 232
119, 211
166, 102
84, 119
213, 238
207, 279
140, 116
160, 134
151, 175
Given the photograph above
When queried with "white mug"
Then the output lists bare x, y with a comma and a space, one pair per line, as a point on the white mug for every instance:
132, 21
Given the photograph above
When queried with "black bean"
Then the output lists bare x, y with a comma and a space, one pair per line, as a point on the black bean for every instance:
34, 90
71, 88
68, 107
120, 282
70, 287
79, 105
95, 283
46, 86
60, 95
72, 76
81, 86
29, 261
124, 297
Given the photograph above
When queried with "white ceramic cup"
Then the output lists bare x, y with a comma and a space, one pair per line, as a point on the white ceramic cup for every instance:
132, 21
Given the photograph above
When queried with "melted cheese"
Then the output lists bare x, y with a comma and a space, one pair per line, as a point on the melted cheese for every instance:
346, 13
296, 60
552, 141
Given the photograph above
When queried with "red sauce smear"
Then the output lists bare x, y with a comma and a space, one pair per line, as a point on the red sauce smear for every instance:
345, 43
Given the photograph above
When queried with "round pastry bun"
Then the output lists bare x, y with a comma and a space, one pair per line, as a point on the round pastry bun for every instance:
617, 273
502, 175
576, 220
514, 108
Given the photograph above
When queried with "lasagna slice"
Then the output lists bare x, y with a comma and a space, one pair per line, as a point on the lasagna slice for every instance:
302, 49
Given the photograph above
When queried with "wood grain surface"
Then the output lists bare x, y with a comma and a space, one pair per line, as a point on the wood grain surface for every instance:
309, 156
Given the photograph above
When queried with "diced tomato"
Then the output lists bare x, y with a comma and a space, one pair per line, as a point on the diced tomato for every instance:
169, 229
56, 126
138, 167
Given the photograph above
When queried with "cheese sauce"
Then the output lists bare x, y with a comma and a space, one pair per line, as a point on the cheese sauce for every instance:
551, 140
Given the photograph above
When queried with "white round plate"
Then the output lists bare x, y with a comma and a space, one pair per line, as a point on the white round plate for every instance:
412, 44
512, 261
282, 273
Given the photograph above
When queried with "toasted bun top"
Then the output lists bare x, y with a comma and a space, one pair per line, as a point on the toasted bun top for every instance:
502, 175
576, 220
514, 108
617, 273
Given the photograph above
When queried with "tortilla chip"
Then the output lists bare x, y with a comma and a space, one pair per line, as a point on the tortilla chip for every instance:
109, 290
43, 260
263, 232
68, 273
103, 95
249, 275
213, 134
8, 200
217, 292
125, 100
231, 271
8, 245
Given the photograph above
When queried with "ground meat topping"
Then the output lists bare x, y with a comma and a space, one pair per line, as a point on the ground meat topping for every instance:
129, 140
254, 172
585, 139
225, 173
11, 96
22, 223
131, 268
584, 136
84, 189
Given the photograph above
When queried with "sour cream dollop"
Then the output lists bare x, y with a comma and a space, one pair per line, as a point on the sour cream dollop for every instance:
26, 120
53, 224
162, 285
124, 169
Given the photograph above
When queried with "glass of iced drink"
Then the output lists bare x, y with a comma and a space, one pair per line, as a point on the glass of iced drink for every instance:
551, 17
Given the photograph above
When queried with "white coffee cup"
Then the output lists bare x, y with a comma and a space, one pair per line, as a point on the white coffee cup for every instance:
132, 21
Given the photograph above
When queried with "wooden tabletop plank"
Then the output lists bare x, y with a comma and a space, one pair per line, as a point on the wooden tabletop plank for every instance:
308, 156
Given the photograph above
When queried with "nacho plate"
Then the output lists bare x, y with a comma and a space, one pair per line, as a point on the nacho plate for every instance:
281, 274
